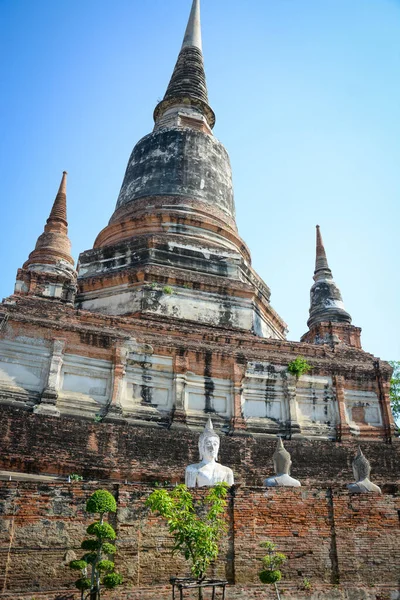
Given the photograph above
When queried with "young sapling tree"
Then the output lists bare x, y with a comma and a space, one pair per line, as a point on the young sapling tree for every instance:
196, 537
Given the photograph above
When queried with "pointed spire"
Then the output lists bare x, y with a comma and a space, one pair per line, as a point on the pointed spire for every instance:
321, 262
53, 245
326, 299
193, 29
59, 210
188, 82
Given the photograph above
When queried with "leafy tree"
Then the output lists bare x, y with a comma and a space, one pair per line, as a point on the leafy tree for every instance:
271, 574
395, 389
196, 537
102, 570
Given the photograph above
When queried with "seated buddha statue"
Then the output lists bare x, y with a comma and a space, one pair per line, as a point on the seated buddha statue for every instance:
282, 464
208, 471
362, 470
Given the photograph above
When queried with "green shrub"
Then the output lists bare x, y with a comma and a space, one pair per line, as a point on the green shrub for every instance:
299, 366
101, 530
78, 565
91, 545
111, 580
395, 390
90, 558
101, 502
105, 565
270, 577
109, 548
168, 290
83, 583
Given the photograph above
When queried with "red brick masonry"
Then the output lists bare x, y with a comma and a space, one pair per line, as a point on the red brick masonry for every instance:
337, 541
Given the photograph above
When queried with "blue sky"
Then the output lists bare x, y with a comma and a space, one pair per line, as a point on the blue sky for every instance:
307, 98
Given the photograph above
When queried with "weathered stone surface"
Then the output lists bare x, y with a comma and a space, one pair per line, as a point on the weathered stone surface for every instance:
179, 162
83, 364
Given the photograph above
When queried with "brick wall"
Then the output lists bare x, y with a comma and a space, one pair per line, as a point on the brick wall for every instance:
337, 541
37, 444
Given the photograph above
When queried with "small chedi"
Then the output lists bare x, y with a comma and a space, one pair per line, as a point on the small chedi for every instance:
282, 464
208, 471
362, 470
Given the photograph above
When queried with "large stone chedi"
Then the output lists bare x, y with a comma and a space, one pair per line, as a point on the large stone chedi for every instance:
208, 471
165, 323
174, 224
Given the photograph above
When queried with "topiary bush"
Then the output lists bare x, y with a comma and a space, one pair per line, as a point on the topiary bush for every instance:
101, 502
97, 559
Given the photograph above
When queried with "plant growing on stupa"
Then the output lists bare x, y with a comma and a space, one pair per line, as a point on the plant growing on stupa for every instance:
299, 366
272, 561
196, 537
95, 566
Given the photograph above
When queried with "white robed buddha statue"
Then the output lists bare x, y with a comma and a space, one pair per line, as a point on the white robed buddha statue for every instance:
208, 471
362, 470
282, 464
